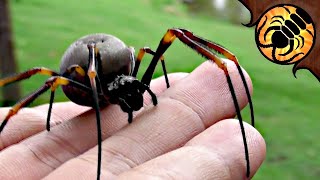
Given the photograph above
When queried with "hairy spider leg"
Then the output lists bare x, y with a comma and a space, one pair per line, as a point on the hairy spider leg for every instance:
51, 82
226, 53
139, 58
164, 44
73, 68
92, 74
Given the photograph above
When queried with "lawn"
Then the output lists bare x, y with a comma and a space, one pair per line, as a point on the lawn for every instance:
285, 107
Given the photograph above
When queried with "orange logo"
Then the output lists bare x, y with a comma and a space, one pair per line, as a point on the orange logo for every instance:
285, 34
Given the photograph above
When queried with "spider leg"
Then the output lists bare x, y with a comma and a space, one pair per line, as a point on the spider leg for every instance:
278, 17
288, 11
129, 109
285, 61
27, 74
266, 45
310, 32
92, 74
73, 68
260, 28
139, 59
276, 21
164, 44
302, 38
52, 82
270, 29
225, 52
153, 96
298, 43
290, 49
274, 54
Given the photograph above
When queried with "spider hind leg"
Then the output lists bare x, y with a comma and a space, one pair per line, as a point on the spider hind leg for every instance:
53, 81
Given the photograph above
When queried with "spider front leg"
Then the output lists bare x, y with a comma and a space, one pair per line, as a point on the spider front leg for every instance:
226, 53
196, 43
93, 75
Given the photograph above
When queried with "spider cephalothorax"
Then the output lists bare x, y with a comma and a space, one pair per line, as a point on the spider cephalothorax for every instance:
127, 91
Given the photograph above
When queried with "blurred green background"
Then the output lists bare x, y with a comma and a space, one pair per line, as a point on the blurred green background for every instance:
285, 107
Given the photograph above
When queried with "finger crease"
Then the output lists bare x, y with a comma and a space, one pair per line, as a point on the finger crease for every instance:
121, 160
191, 110
37, 155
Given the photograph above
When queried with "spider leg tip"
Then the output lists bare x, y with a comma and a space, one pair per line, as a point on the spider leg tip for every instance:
3, 125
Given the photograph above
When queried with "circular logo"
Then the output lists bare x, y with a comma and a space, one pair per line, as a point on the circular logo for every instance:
285, 34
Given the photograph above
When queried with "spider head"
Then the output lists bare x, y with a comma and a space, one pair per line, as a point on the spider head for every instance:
127, 91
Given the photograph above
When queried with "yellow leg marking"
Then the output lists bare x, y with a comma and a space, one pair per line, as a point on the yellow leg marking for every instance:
12, 112
221, 64
76, 68
46, 71
92, 65
231, 57
141, 54
59, 81
169, 37
7, 80
92, 74
25, 75
162, 58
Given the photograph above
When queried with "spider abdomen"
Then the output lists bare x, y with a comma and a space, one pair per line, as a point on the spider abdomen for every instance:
113, 58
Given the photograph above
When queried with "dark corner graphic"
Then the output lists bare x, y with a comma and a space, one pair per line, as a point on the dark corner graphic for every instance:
286, 32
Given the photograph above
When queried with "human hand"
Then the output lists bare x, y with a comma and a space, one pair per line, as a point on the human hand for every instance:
186, 136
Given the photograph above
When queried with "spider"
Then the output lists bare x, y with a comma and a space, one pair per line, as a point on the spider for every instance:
287, 25
88, 79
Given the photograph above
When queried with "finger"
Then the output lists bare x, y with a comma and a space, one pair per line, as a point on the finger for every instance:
184, 110
30, 121
63, 110
216, 153
47, 150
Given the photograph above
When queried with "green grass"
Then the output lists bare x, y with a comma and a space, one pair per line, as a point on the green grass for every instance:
285, 107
